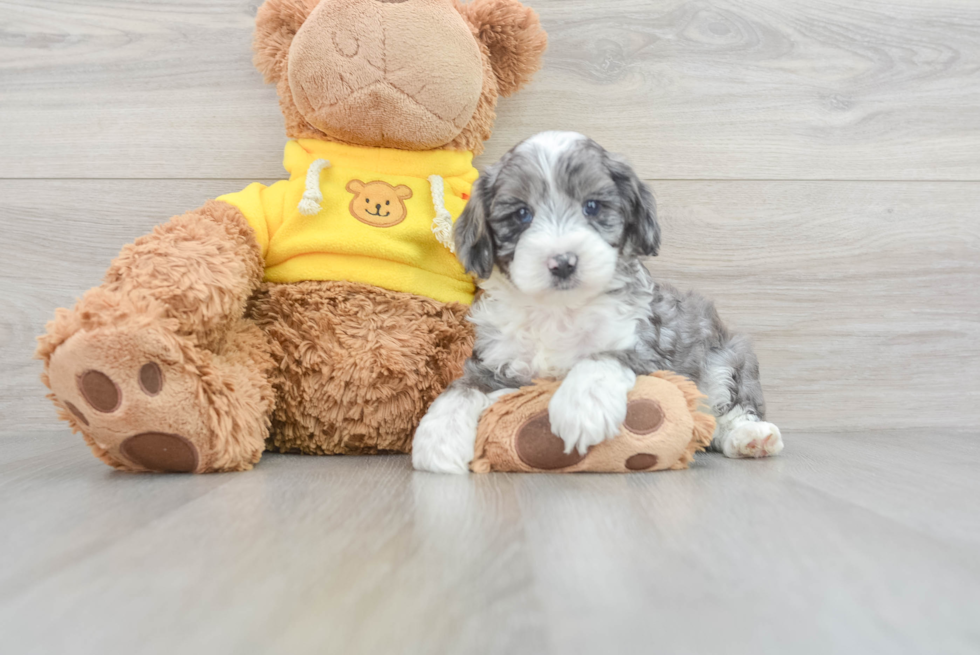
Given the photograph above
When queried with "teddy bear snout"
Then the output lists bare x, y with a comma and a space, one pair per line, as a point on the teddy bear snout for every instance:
381, 59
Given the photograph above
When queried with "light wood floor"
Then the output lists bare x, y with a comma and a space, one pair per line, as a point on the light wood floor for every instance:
817, 169
842, 545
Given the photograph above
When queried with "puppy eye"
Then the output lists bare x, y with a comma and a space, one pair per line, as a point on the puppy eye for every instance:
591, 208
525, 215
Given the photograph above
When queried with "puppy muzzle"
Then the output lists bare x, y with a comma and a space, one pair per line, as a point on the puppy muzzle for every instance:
563, 266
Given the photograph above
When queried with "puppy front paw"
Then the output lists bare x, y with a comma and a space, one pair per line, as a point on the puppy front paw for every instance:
590, 405
446, 437
442, 445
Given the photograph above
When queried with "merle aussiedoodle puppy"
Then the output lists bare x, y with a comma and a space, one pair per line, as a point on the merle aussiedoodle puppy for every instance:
556, 231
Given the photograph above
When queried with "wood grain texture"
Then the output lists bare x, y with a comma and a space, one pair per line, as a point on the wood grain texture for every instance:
689, 89
863, 298
835, 546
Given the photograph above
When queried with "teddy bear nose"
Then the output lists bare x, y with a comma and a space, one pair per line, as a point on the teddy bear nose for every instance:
378, 206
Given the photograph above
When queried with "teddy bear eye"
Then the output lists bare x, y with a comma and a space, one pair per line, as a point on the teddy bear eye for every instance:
367, 200
387, 202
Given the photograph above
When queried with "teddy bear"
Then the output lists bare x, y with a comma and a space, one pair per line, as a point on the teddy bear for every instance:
321, 314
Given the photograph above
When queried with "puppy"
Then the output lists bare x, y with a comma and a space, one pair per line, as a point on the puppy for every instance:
556, 230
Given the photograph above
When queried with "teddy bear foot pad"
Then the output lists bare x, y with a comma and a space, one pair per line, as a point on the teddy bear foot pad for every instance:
143, 406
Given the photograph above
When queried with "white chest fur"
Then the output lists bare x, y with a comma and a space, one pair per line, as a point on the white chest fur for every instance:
524, 339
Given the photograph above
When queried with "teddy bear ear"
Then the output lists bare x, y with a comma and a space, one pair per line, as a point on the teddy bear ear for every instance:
403, 192
514, 36
275, 26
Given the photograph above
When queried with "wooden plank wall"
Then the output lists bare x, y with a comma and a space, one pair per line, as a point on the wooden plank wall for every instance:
817, 166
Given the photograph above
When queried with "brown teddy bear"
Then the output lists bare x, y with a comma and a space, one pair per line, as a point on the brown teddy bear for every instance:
296, 317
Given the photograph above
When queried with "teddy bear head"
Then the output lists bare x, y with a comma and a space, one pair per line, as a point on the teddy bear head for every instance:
407, 74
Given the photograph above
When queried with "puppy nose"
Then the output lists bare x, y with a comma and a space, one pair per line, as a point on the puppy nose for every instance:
562, 266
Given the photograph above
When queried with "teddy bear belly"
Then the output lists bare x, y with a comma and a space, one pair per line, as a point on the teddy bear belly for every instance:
356, 366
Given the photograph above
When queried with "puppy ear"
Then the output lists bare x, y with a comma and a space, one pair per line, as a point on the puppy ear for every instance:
275, 26
642, 229
513, 35
471, 232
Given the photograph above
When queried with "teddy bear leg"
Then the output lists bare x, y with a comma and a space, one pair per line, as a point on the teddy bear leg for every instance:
358, 365
147, 399
157, 367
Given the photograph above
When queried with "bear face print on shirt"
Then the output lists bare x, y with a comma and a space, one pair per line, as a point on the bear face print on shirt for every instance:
378, 203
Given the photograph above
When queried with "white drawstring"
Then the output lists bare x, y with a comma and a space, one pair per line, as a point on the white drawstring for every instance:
310, 204
442, 224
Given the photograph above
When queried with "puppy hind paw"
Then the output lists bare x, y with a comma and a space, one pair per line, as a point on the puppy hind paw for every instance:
755, 440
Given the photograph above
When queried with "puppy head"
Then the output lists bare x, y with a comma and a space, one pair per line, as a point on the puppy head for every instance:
556, 216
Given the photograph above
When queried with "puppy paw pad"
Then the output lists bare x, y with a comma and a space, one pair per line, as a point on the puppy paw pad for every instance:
539, 448
158, 451
99, 391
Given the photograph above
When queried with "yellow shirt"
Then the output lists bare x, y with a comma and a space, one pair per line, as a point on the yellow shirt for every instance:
375, 220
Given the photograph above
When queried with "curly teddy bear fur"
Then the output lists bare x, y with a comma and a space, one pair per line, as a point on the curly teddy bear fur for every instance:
185, 360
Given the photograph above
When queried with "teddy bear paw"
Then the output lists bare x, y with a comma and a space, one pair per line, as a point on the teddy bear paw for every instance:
134, 398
